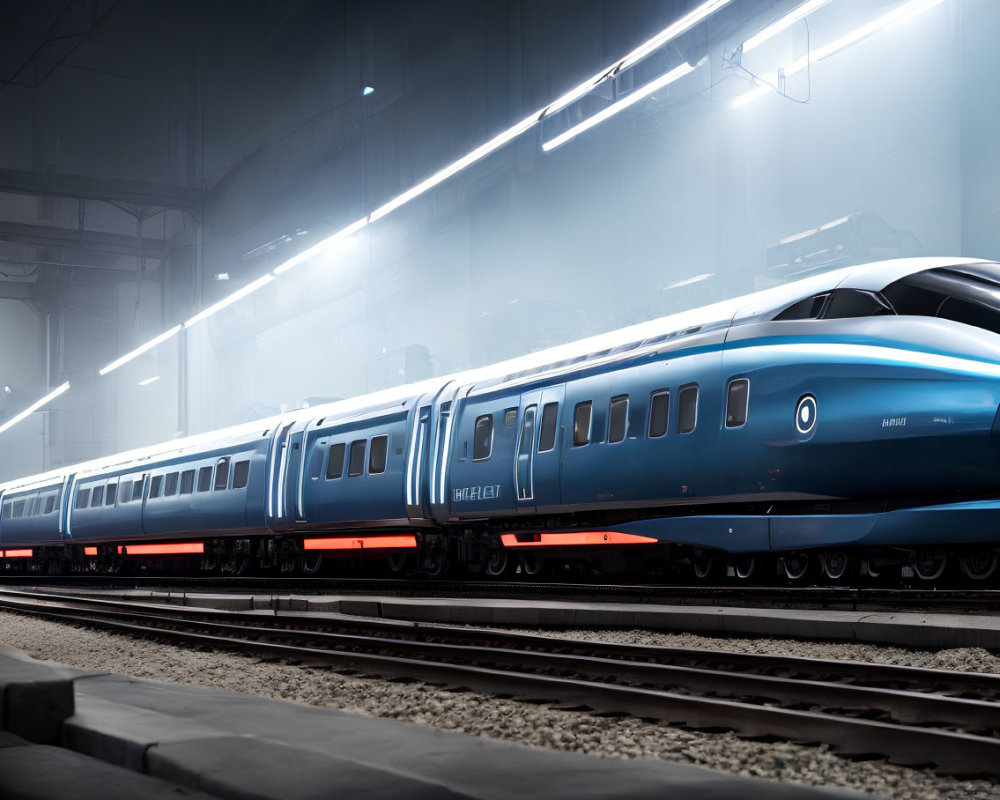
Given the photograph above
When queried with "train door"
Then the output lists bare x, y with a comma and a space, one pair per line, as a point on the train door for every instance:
524, 453
418, 504
277, 463
547, 467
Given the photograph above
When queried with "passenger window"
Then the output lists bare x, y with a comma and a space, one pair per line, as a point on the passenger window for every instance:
581, 424
357, 463
659, 408
170, 485
222, 474
50, 503
849, 303
335, 467
6, 510
187, 481
204, 479
241, 474
97, 497
82, 501
482, 438
547, 431
155, 486
32, 503
112, 494
736, 403
687, 410
19, 505
377, 454
124, 492
618, 419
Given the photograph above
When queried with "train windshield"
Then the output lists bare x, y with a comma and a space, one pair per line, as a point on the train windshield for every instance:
969, 294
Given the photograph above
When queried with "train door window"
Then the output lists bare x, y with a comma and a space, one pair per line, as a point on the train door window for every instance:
547, 430
204, 479
687, 409
510, 417
659, 408
50, 503
335, 466
111, 495
156, 486
482, 438
82, 500
737, 402
241, 474
170, 485
377, 455
32, 503
222, 474
581, 424
618, 419
124, 492
356, 465
97, 496
187, 481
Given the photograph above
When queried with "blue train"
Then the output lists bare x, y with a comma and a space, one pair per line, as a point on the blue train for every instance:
844, 425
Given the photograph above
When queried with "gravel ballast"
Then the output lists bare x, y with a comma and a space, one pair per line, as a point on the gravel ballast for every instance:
525, 723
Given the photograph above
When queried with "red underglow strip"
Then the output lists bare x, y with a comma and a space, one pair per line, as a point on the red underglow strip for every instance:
90, 551
360, 543
162, 549
18, 553
584, 539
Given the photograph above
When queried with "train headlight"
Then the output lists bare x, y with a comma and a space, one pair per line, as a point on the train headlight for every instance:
805, 414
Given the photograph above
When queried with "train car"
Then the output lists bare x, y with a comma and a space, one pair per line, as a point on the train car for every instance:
840, 426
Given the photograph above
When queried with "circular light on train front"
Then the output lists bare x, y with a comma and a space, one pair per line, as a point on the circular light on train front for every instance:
805, 414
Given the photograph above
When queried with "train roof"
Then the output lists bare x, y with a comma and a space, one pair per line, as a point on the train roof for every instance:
621, 343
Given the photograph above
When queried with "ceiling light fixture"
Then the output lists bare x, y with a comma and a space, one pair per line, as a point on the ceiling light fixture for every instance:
139, 350
239, 294
798, 13
34, 407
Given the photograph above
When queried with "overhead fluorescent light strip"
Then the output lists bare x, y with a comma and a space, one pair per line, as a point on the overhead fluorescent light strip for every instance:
139, 350
319, 247
239, 294
621, 105
795, 15
897, 16
34, 407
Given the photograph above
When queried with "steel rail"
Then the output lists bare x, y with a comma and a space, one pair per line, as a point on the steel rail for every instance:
951, 751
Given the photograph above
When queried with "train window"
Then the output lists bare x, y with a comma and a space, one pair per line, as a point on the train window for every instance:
618, 419
581, 424
482, 438
356, 465
187, 481
241, 474
809, 308
547, 431
50, 503
82, 500
687, 409
335, 466
170, 485
204, 479
32, 504
510, 416
111, 495
659, 407
156, 486
97, 497
737, 402
376, 455
18, 510
124, 492
222, 474
849, 303
6, 510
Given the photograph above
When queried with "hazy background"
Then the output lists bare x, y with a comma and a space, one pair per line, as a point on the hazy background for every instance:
677, 202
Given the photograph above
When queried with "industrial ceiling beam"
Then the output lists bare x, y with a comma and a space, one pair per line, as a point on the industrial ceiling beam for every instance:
76, 239
123, 191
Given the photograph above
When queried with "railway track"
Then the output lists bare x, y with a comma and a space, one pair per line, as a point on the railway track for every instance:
912, 716
833, 597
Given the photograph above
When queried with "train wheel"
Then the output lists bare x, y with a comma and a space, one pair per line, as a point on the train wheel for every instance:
703, 564
836, 565
311, 563
929, 564
979, 565
795, 566
497, 560
745, 567
399, 562
531, 564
